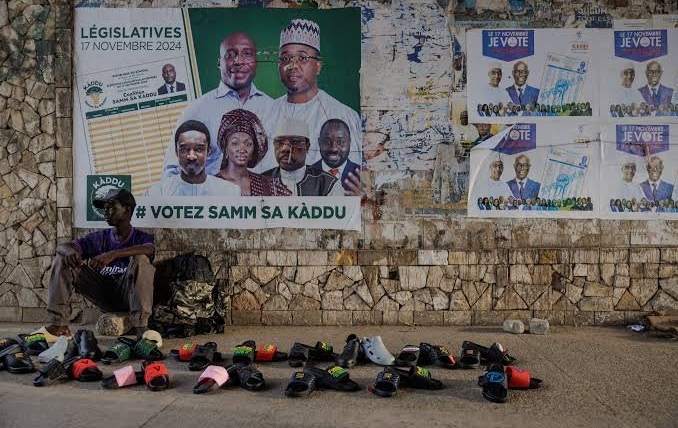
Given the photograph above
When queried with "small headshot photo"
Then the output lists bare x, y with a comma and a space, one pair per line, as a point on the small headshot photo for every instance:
654, 93
169, 75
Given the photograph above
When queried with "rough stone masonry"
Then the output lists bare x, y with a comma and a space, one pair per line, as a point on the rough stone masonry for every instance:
408, 269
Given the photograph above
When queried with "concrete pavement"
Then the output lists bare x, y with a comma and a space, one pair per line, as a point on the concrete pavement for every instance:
602, 377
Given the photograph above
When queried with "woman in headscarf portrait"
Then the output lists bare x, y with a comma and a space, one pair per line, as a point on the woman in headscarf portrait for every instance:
244, 143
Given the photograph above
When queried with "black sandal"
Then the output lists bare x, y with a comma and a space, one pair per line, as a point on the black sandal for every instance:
334, 377
386, 384
250, 378
243, 354
408, 356
203, 356
300, 385
351, 353
434, 354
50, 373
16, 361
494, 384
416, 377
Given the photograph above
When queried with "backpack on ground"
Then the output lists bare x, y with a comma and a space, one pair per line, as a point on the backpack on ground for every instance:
187, 298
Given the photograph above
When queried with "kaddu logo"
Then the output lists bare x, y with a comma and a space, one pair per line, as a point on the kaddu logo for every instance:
642, 140
100, 185
508, 45
95, 96
640, 45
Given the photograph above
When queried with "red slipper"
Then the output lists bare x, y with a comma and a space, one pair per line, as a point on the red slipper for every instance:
520, 379
156, 376
85, 370
269, 352
185, 352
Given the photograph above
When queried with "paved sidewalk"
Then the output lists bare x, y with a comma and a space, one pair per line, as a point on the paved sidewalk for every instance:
602, 377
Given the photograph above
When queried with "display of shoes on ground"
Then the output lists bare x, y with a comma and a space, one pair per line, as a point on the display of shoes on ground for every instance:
319, 366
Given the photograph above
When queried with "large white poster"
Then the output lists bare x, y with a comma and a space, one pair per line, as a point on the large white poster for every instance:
639, 171
540, 74
641, 75
536, 170
219, 118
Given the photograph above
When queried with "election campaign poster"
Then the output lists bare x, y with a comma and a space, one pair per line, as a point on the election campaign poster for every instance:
639, 171
640, 75
541, 74
219, 117
536, 170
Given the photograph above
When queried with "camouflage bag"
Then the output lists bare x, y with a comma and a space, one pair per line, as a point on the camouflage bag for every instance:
191, 302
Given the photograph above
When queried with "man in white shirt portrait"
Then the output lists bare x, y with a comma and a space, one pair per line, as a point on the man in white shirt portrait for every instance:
192, 147
493, 93
626, 94
495, 187
628, 189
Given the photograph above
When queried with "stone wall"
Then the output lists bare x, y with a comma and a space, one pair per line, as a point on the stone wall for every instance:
401, 268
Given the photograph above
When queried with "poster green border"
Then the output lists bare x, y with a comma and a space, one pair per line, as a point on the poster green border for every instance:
340, 39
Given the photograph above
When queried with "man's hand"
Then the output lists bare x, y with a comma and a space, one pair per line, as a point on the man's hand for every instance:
73, 259
352, 183
102, 260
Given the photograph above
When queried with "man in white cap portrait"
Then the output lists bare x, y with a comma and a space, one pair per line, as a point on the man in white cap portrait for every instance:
493, 93
291, 144
625, 94
237, 64
495, 186
299, 66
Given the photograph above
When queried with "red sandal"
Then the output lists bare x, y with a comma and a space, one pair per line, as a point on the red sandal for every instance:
156, 376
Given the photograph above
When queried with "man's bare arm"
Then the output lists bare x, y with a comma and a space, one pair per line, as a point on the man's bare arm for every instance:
102, 260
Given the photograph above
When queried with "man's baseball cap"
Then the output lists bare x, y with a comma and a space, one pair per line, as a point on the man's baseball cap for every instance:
111, 195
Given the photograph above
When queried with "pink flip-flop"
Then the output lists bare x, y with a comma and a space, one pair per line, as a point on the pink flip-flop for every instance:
211, 376
125, 376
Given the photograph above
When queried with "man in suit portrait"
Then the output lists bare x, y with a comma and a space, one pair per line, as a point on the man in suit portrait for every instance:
654, 188
171, 85
335, 144
520, 92
654, 93
521, 186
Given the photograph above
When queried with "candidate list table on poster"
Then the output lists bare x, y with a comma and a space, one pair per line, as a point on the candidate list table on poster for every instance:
132, 139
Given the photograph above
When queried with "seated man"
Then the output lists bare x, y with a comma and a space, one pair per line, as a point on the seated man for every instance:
111, 268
